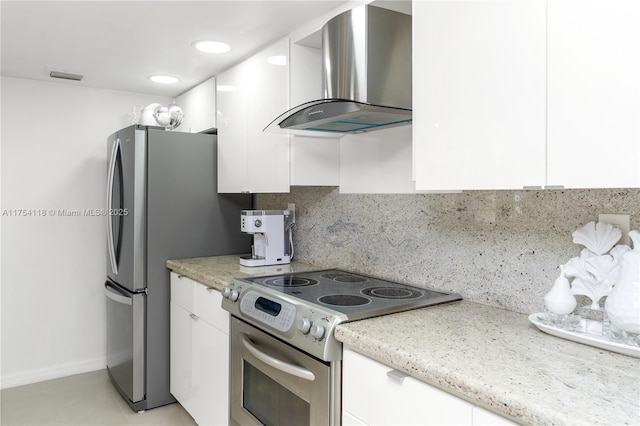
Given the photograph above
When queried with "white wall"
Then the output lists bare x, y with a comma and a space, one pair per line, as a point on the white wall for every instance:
54, 156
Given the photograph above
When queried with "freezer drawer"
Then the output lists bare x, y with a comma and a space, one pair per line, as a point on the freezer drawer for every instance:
125, 341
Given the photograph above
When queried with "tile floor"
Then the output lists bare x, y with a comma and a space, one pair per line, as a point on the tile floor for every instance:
84, 399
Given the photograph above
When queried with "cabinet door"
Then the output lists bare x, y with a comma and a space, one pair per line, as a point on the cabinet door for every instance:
479, 94
377, 162
594, 93
231, 93
199, 351
208, 307
250, 96
268, 97
211, 375
181, 348
183, 291
405, 401
199, 107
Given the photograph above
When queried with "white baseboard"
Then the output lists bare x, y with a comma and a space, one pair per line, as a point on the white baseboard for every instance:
54, 372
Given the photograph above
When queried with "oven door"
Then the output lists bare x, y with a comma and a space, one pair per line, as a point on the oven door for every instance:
275, 384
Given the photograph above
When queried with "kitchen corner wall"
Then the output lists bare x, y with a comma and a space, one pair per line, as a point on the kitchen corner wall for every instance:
499, 248
54, 160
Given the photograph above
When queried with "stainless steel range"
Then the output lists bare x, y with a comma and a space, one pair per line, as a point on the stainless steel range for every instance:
285, 360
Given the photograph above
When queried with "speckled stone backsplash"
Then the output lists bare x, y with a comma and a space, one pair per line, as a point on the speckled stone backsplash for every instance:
500, 248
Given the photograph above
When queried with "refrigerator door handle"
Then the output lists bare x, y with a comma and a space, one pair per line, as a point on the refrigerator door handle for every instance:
111, 175
115, 295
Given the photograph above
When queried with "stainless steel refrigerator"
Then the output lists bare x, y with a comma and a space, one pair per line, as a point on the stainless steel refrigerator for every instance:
161, 204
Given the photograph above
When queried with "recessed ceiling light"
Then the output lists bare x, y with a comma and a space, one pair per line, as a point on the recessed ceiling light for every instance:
277, 60
164, 79
210, 46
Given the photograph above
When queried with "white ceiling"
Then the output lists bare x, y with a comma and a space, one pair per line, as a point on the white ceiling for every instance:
117, 44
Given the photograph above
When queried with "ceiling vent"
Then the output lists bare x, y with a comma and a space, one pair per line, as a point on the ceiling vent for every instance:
66, 75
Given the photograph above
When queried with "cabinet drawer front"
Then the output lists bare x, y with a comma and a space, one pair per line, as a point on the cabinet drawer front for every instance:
183, 292
208, 307
405, 401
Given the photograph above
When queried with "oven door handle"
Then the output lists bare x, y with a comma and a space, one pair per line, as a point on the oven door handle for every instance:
283, 366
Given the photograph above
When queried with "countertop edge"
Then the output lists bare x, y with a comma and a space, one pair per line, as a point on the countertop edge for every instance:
425, 346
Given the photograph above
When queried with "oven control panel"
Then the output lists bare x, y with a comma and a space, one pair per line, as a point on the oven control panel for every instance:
308, 328
276, 313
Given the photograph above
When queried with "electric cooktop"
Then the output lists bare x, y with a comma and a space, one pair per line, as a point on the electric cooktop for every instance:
303, 308
357, 296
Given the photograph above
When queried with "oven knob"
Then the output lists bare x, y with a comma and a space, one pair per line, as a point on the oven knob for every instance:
304, 325
317, 331
257, 223
226, 292
234, 295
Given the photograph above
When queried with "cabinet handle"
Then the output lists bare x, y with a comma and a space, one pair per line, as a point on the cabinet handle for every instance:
397, 375
194, 317
536, 187
211, 289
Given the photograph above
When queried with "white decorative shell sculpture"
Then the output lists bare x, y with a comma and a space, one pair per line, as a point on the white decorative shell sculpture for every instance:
594, 271
598, 237
594, 275
623, 304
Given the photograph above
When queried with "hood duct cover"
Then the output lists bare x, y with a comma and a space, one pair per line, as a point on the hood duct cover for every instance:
366, 69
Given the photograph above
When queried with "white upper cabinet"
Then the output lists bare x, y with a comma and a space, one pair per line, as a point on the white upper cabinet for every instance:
479, 94
268, 83
233, 171
315, 157
531, 93
594, 93
249, 96
377, 162
199, 107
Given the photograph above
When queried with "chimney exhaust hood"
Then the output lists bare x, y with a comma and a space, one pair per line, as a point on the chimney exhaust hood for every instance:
366, 70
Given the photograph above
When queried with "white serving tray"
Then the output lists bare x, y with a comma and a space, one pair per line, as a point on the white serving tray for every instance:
599, 341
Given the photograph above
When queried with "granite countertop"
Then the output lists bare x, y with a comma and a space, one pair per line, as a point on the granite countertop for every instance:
491, 357
497, 359
218, 271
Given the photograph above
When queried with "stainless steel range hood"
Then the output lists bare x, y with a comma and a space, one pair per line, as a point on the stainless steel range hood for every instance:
366, 61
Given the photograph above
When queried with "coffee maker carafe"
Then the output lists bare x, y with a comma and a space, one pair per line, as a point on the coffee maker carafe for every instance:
271, 231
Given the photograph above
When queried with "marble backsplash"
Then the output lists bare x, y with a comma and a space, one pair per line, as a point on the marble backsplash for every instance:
499, 248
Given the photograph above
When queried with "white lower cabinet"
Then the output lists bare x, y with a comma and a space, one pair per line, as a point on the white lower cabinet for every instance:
375, 394
482, 417
199, 351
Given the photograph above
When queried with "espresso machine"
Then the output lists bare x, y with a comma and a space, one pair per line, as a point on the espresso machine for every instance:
271, 231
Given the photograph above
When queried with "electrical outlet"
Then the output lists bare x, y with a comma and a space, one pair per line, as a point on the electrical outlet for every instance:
292, 208
620, 221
